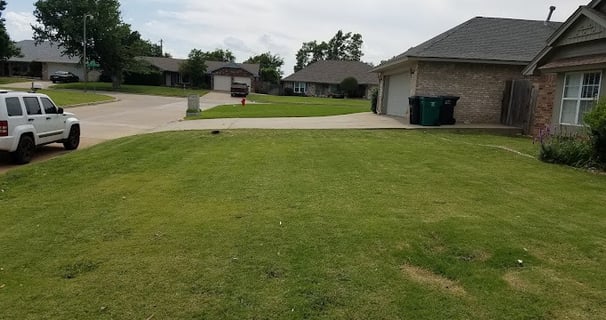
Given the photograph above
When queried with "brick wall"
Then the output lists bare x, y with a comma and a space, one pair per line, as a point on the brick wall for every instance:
480, 87
543, 112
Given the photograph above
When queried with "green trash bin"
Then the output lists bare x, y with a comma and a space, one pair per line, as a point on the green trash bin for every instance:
430, 110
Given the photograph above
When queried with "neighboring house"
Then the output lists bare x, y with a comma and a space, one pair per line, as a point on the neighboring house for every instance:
42, 60
324, 77
222, 74
473, 61
570, 69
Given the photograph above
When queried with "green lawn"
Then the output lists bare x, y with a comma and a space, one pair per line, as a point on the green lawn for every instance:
135, 89
67, 99
72, 98
302, 225
282, 106
9, 80
262, 98
277, 110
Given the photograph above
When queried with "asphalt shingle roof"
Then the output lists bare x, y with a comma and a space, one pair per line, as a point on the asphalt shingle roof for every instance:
43, 52
333, 72
486, 39
172, 65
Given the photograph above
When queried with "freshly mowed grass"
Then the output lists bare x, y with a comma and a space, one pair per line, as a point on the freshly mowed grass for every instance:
134, 89
9, 80
73, 98
267, 106
263, 98
302, 225
67, 99
277, 110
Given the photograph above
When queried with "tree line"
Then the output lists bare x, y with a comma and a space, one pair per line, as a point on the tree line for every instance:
114, 45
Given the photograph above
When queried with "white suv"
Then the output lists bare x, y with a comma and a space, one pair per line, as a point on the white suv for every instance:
28, 120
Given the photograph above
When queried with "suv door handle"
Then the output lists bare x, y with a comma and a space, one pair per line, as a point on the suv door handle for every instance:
31, 120
48, 118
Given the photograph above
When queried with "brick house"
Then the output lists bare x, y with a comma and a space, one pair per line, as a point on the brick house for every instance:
473, 61
569, 70
221, 74
323, 78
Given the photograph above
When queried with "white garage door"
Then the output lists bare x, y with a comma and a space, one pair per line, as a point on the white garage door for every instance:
221, 83
397, 94
243, 80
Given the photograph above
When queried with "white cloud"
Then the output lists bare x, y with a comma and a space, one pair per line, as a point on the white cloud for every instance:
18, 25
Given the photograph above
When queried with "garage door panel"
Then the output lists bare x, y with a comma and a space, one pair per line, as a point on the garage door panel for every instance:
221, 83
397, 94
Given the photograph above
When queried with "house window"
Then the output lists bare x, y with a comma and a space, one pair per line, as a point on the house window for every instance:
300, 87
580, 93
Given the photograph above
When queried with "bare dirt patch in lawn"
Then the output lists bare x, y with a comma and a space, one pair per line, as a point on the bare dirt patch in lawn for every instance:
516, 281
433, 280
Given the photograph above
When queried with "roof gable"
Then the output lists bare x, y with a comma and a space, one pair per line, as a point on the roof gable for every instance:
481, 39
334, 72
586, 24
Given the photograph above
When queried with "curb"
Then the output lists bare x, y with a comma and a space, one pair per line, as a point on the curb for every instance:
91, 103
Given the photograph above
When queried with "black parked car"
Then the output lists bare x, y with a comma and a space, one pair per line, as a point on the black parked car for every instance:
64, 76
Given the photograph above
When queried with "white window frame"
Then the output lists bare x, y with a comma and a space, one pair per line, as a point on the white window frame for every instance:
300, 87
579, 98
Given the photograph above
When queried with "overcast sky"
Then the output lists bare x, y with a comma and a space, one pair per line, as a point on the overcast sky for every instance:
248, 27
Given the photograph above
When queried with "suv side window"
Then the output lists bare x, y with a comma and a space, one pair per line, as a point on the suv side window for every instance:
13, 107
49, 107
32, 105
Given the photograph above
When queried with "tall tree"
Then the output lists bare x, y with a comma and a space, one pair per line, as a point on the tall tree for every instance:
195, 67
146, 48
7, 47
311, 52
342, 46
270, 66
220, 55
109, 40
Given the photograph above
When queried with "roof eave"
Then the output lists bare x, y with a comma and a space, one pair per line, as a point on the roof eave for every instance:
390, 65
471, 60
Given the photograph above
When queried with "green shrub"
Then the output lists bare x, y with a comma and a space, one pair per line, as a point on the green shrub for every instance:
596, 122
374, 98
350, 87
569, 149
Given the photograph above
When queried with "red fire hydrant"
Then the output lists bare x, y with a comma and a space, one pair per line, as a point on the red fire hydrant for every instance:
244, 102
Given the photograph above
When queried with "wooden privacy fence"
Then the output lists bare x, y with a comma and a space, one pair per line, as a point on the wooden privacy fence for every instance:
519, 101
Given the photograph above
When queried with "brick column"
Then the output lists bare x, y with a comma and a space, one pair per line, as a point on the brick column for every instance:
543, 113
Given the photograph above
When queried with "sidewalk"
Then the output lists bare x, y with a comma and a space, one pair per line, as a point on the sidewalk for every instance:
366, 120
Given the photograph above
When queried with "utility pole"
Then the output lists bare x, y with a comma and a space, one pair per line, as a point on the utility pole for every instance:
84, 63
161, 48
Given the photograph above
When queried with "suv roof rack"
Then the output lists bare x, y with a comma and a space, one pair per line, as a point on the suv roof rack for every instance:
4, 91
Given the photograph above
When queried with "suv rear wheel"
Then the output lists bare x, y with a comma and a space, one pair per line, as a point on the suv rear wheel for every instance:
73, 140
25, 150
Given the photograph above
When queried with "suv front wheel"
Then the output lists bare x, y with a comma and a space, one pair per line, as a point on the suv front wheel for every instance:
25, 150
73, 140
